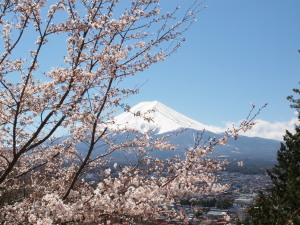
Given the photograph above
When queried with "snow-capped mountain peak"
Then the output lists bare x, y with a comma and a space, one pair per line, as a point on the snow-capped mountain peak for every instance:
157, 117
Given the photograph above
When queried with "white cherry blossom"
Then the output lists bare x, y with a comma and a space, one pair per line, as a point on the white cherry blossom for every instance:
45, 114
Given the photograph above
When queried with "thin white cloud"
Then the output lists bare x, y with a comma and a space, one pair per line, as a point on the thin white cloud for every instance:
264, 129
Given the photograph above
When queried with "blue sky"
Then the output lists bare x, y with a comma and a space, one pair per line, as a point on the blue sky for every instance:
239, 52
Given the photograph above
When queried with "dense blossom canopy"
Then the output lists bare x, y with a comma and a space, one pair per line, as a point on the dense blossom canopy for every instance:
45, 114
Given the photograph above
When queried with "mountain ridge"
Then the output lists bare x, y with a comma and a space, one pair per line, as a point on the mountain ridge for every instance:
258, 151
165, 121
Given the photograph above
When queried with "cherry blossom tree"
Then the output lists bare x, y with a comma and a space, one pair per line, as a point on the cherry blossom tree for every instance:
102, 42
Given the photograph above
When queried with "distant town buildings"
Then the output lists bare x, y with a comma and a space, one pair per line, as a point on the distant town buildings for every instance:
240, 195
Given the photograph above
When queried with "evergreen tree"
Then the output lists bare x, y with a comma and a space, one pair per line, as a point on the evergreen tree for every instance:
280, 205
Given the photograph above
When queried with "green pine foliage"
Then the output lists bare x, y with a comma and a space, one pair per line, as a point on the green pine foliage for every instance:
280, 205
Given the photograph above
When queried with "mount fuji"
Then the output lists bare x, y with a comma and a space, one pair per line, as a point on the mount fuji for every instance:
159, 118
162, 120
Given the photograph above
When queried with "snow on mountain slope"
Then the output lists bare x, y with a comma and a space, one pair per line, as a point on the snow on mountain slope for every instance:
163, 119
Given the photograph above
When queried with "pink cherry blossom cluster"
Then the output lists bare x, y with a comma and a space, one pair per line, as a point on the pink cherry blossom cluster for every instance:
46, 114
